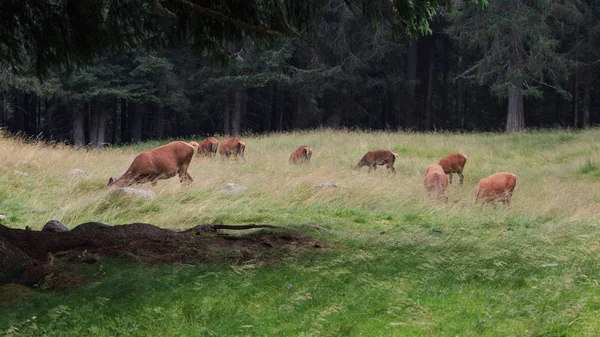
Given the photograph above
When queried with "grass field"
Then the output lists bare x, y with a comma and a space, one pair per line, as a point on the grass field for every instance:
397, 263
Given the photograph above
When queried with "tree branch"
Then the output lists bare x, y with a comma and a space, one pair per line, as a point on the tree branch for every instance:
221, 17
290, 28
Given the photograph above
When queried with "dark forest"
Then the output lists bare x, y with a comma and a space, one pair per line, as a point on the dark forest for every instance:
504, 65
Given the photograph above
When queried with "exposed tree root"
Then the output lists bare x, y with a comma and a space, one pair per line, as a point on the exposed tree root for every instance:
27, 256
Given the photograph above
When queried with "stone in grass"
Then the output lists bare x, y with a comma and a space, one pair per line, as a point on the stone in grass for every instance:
3, 217
327, 184
231, 188
55, 226
77, 173
138, 192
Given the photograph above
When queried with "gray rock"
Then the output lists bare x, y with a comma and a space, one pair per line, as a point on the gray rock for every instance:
3, 217
138, 192
77, 173
55, 226
231, 188
327, 184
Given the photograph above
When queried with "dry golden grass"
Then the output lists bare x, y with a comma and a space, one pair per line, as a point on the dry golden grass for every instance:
549, 184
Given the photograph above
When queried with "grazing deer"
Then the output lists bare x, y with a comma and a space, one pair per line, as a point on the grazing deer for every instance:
232, 146
208, 147
497, 187
301, 155
378, 157
454, 163
436, 181
161, 163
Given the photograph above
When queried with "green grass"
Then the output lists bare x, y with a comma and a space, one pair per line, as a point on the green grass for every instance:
397, 263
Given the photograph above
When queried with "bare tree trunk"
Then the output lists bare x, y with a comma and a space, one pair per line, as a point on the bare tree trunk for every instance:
226, 117
515, 120
575, 99
124, 119
49, 103
236, 113
586, 101
78, 127
2, 111
31, 125
136, 122
411, 72
93, 125
160, 122
429, 101
97, 122
114, 105
268, 120
38, 121
25, 112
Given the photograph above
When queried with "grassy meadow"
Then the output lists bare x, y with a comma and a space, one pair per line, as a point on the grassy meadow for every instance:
396, 264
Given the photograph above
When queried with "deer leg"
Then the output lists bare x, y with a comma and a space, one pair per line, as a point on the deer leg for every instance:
450, 177
462, 177
184, 176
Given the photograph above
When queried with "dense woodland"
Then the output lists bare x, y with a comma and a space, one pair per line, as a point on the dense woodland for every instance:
506, 65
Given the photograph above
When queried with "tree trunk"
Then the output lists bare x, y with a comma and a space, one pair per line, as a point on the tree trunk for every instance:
97, 123
411, 72
38, 121
25, 112
429, 101
2, 111
280, 108
136, 121
78, 127
575, 100
159, 121
236, 113
124, 119
515, 120
226, 117
47, 124
586, 100
31, 125
114, 106
268, 115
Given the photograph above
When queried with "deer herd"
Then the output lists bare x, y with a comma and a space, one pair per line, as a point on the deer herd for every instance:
174, 158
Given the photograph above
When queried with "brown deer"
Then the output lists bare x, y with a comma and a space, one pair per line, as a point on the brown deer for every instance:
454, 163
378, 157
160, 163
208, 147
301, 155
232, 146
436, 181
497, 187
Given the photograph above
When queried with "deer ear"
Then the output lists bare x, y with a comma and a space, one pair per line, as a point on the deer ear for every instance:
111, 181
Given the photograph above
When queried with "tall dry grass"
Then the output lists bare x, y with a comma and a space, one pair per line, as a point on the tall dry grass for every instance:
547, 165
